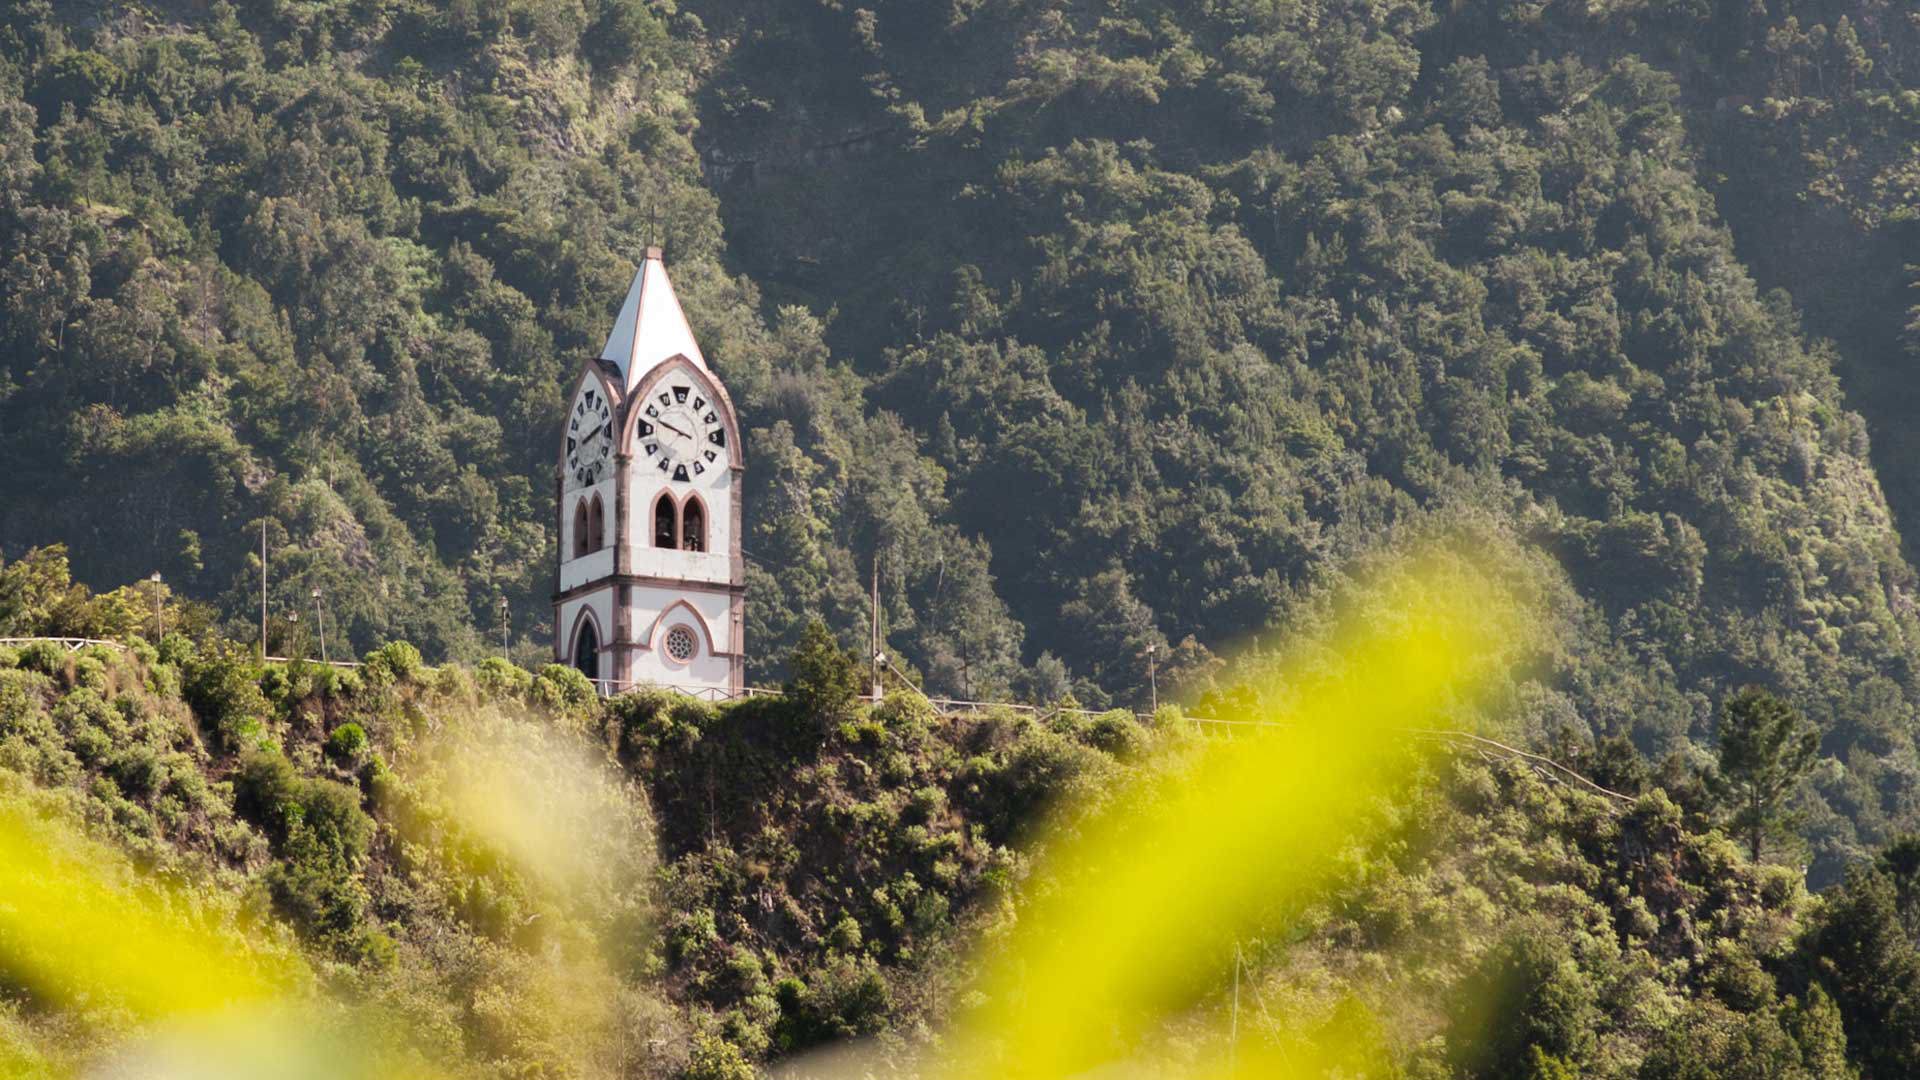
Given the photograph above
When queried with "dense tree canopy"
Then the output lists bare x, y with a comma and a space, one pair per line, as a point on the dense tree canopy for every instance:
1104, 330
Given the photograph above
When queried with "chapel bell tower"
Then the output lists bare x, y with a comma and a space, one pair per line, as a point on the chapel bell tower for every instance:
651, 586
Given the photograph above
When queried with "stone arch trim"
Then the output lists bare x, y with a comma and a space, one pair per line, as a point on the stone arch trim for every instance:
736, 450
647, 641
664, 495
583, 617
706, 521
582, 523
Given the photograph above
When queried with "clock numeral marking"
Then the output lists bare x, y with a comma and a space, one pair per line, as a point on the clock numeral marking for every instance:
711, 455
653, 412
663, 464
717, 438
666, 398
645, 429
679, 393
699, 403
679, 472
653, 448
699, 469
710, 418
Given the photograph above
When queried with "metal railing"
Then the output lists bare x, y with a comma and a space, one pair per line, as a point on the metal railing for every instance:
71, 644
944, 706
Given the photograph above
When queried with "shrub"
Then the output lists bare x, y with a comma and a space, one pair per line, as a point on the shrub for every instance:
178, 649
454, 682
163, 680
265, 790
45, 657
138, 771
348, 744
331, 820
224, 692
318, 896
715, 1058
905, 713
502, 678
562, 687
336, 682
394, 662
1116, 731
298, 813
1526, 993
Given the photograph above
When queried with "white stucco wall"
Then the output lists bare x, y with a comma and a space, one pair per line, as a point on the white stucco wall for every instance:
597, 564
710, 665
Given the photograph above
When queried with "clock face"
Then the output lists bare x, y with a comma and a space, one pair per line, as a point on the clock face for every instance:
589, 437
681, 433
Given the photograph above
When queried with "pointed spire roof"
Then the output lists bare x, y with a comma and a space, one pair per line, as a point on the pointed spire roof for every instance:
651, 327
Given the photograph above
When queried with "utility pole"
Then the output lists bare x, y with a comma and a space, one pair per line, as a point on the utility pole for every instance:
319, 624
505, 623
263, 588
873, 637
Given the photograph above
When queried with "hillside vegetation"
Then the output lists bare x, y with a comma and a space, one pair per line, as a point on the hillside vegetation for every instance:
1100, 328
497, 874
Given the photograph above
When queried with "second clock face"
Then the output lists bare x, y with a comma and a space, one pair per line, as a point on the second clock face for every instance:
682, 434
589, 437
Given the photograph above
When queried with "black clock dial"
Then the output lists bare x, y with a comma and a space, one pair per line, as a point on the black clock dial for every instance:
684, 431
589, 438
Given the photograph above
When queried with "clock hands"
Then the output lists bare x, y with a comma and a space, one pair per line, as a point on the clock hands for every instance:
675, 430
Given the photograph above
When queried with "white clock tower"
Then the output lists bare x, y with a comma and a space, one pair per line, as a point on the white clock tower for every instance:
651, 588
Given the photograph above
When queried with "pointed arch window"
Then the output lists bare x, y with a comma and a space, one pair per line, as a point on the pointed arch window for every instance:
581, 523
665, 525
693, 526
596, 525
586, 650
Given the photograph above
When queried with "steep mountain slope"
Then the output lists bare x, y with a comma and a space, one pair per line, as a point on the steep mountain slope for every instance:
1107, 331
324, 269
1229, 293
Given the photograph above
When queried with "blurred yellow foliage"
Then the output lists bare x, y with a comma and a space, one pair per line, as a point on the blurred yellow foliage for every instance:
1132, 916
76, 925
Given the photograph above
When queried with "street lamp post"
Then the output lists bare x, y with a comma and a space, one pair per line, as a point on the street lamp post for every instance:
320, 624
1153, 679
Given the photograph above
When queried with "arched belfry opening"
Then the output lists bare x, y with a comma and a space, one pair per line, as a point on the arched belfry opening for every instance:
586, 650
581, 524
693, 526
597, 525
663, 522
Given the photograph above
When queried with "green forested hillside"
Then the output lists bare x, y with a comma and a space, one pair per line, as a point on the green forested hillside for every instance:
1101, 326
487, 872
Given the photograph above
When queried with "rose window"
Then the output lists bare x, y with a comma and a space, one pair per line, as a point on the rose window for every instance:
680, 644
